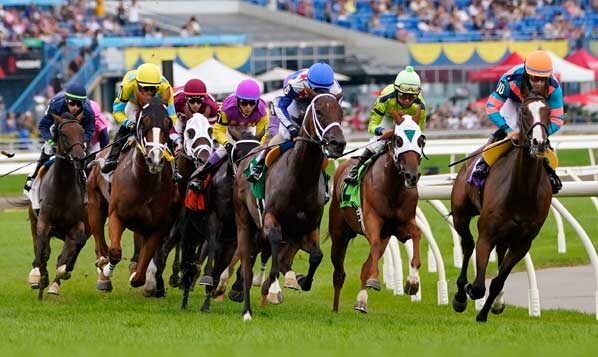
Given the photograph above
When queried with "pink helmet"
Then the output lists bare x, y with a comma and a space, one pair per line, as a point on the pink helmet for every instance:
248, 89
195, 87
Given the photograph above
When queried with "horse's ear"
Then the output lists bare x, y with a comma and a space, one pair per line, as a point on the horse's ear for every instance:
310, 92
397, 116
339, 96
68, 116
417, 116
57, 118
210, 129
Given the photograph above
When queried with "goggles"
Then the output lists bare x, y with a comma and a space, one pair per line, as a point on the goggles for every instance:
193, 100
146, 89
404, 88
245, 102
74, 103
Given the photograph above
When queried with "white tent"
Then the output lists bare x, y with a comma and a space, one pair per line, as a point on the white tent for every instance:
570, 72
180, 75
268, 97
219, 78
279, 74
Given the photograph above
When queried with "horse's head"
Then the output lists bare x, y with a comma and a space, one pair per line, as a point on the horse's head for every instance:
152, 131
407, 147
69, 143
534, 120
198, 139
244, 145
322, 123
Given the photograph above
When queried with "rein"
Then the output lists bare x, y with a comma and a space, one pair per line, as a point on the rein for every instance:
320, 131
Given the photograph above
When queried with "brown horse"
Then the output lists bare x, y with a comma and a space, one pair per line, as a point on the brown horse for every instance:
294, 200
516, 200
62, 211
143, 196
388, 202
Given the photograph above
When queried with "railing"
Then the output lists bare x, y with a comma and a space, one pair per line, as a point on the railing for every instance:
89, 71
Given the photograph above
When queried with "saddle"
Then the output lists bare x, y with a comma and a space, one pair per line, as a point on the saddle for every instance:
277, 151
351, 194
495, 150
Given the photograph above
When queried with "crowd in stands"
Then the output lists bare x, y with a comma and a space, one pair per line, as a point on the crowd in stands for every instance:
455, 20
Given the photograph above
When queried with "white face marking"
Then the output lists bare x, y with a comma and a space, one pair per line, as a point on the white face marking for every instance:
534, 108
155, 154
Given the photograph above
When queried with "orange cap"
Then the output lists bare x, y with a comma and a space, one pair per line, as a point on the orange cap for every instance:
538, 63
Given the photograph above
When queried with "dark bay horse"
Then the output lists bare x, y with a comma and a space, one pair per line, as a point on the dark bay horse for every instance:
216, 226
143, 197
388, 203
62, 210
516, 200
294, 200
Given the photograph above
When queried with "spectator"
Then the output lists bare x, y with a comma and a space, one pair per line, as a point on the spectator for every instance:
470, 120
11, 123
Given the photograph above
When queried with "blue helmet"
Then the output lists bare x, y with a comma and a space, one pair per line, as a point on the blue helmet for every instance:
75, 91
320, 75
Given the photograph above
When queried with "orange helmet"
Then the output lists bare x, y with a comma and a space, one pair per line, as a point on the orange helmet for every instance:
538, 63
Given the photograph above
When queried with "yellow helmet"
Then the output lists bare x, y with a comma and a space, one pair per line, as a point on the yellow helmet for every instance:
538, 63
148, 74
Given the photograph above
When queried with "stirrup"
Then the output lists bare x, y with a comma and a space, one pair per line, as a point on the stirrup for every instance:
176, 177
255, 174
109, 166
351, 178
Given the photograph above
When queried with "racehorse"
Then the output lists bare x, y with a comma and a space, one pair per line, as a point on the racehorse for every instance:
388, 203
62, 211
294, 200
143, 196
515, 204
219, 228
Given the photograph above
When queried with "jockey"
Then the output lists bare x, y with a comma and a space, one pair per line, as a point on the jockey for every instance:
535, 74
319, 78
74, 102
402, 96
193, 98
240, 112
137, 89
100, 138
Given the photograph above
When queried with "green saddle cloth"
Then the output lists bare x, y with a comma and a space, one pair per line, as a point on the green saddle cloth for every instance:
258, 188
351, 194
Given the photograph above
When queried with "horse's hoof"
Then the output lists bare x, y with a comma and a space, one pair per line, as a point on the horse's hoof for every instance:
481, 317
498, 309
62, 274
258, 280
411, 288
474, 292
132, 267
160, 293
174, 281
54, 289
34, 278
290, 281
361, 307
274, 298
206, 280
104, 286
373, 284
459, 306
303, 282
219, 298
247, 316
236, 296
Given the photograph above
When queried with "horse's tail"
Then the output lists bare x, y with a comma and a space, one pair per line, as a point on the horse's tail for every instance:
20, 203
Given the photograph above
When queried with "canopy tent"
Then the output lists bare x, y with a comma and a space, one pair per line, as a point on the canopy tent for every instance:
584, 59
585, 98
279, 74
495, 72
569, 72
219, 78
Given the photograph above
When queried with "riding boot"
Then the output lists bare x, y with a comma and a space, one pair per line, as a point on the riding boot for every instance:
555, 181
43, 158
481, 169
256, 171
198, 179
352, 177
176, 176
117, 145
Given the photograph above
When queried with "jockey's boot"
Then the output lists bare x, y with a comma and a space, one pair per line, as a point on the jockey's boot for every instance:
43, 158
256, 171
197, 180
352, 177
555, 181
176, 176
112, 159
481, 170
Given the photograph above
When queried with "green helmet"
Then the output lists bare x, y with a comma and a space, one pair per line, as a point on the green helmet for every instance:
408, 81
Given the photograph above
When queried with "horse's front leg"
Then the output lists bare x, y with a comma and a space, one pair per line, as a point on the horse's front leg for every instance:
412, 283
115, 231
484, 246
273, 233
38, 277
150, 243
311, 244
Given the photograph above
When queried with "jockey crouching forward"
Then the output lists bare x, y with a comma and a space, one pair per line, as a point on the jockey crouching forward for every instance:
404, 96
299, 91
74, 102
240, 112
193, 98
504, 103
138, 88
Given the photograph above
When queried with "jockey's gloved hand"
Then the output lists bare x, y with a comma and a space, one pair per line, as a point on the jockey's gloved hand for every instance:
293, 130
51, 142
229, 148
129, 124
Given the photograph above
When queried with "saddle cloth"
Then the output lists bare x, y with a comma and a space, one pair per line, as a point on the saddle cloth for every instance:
495, 150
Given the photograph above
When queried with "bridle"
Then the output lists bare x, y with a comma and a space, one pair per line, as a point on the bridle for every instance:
66, 154
320, 130
155, 145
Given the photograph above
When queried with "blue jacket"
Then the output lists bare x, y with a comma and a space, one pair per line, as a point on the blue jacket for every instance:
57, 106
